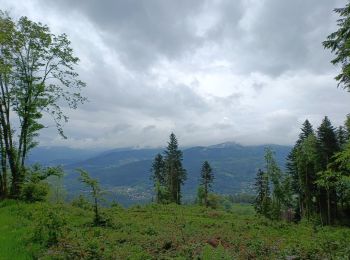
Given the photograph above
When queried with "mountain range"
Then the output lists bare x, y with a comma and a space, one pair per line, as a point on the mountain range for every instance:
125, 173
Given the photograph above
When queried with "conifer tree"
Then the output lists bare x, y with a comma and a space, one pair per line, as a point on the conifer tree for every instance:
328, 146
327, 141
341, 136
207, 178
175, 173
262, 200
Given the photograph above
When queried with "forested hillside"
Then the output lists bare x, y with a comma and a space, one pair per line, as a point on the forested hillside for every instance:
118, 170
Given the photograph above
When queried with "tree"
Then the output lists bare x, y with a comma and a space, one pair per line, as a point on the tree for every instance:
274, 174
96, 193
327, 141
339, 43
175, 173
328, 180
341, 136
262, 200
159, 178
292, 165
307, 163
37, 75
207, 178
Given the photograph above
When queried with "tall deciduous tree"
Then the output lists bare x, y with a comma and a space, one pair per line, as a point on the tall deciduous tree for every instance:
274, 174
159, 178
37, 75
307, 163
207, 178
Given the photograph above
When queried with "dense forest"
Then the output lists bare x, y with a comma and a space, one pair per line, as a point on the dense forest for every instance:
300, 212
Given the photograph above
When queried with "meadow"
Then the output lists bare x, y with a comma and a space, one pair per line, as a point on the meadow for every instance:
62, 231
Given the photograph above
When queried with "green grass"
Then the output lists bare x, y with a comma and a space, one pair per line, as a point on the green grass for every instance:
13, 229
161, 232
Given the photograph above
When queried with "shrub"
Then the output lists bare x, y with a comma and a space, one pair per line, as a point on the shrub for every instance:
49, 225
32, 192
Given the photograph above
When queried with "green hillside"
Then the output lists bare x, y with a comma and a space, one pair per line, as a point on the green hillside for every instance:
161, 232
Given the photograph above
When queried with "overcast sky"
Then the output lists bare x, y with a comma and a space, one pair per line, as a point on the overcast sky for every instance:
248, 71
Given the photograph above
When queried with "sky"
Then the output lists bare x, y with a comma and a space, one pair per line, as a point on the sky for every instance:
245, 71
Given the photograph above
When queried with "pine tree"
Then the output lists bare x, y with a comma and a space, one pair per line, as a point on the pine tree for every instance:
175, 173
207, 178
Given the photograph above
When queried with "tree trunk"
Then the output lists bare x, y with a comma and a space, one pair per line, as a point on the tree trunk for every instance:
328, 208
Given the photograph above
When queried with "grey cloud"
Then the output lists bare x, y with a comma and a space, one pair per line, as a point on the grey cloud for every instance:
253, 75
142, 31
274, 36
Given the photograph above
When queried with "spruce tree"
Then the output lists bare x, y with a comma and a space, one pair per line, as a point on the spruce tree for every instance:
327, 141
306, 130
175, 173
207, 178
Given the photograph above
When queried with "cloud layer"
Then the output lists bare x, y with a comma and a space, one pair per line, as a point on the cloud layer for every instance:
249, 71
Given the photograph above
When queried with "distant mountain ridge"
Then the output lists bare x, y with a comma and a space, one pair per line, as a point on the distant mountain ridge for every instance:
125, 173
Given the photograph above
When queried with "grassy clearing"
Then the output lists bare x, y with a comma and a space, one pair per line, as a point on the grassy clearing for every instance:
161, 232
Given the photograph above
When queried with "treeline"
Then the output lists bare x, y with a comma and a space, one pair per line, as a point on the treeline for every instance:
316, 184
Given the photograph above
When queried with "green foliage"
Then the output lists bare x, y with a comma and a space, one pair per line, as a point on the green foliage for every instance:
49, 225
96, 194
339, 43
206, 181
36, 187
210, 253
81, 202
32, 192
200, 200
168, 174
214, 201
161, 232
275, 179
37, 75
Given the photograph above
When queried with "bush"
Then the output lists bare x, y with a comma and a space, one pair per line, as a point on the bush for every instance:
32, 192
214, 200
50, 223
81, 202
